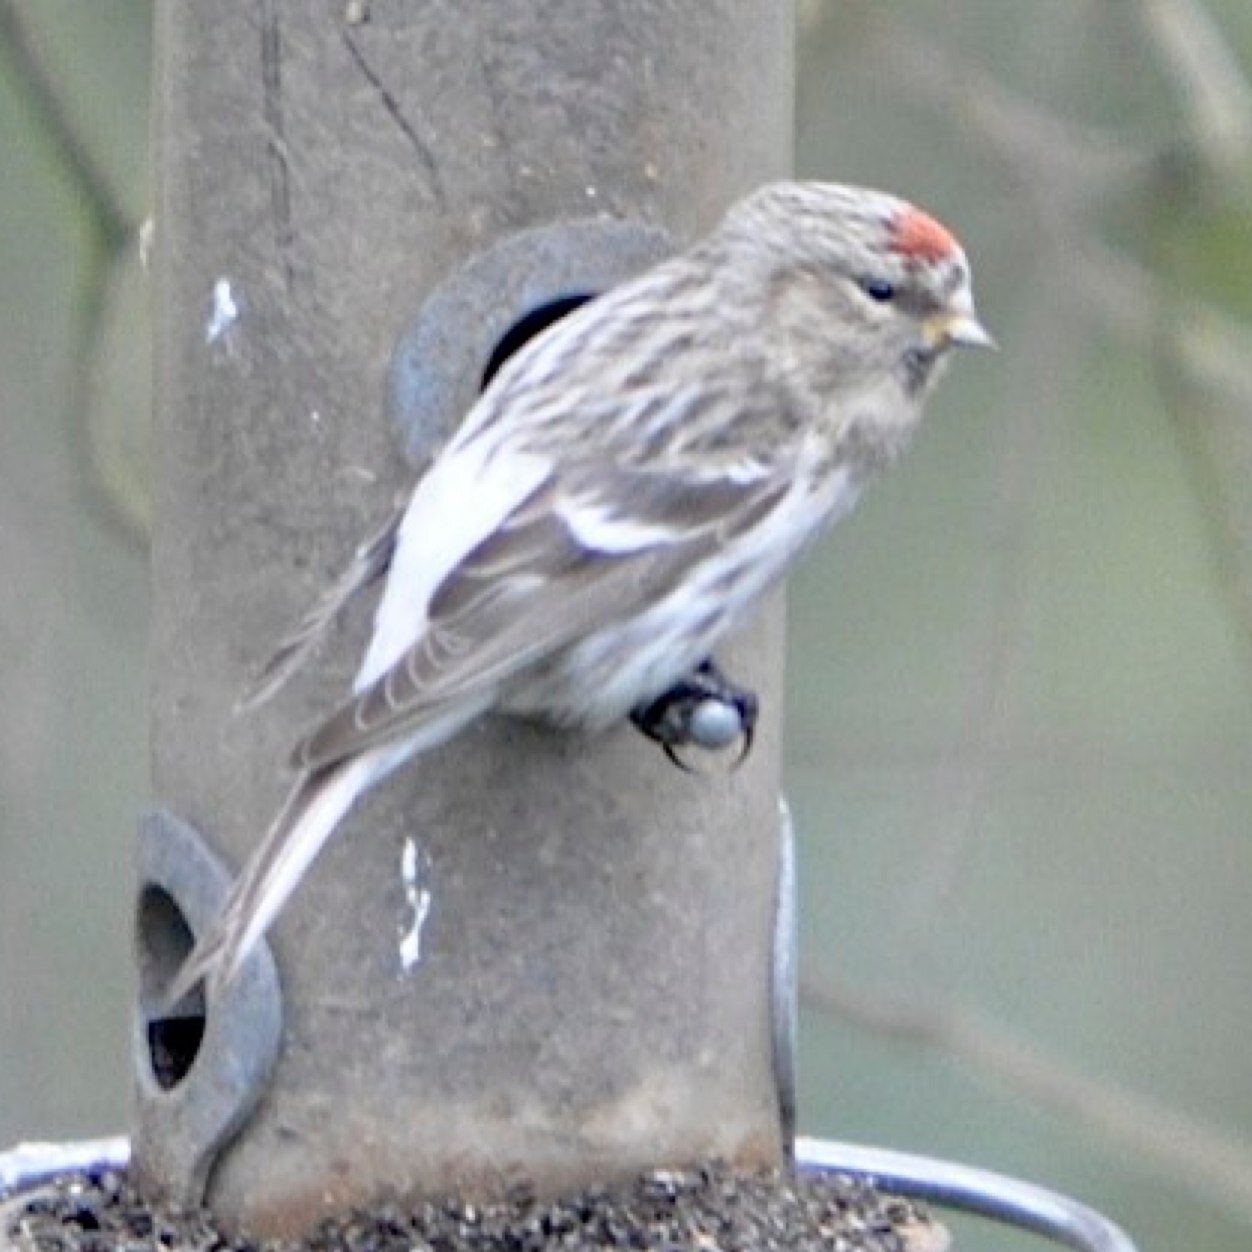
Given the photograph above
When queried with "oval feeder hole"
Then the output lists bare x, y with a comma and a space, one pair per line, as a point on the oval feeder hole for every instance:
494, 302
528, 326
200, 1066
174, 1034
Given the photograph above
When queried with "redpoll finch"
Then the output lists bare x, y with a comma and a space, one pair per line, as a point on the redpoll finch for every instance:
626, 488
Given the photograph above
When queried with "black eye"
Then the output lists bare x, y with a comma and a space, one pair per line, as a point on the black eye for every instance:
878, 289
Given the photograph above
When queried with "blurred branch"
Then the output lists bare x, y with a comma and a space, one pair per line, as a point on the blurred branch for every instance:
1068, 163
1061, 165
954, 819
1229, 549
108, 217
1200, 1156
110, 229
1063, 169
1213, 348
1207, 369
1217, 352
1209, 83
1202, 351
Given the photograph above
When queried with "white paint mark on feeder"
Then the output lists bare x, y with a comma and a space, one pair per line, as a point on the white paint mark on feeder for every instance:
147, 236
415, 874
225, 311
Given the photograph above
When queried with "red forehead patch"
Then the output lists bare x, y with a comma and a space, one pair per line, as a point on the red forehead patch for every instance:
917, 235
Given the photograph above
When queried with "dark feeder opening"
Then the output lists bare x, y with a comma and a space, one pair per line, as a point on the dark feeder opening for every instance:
527, 327
174, 1034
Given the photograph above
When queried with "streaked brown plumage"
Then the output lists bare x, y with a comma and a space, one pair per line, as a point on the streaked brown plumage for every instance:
627, 487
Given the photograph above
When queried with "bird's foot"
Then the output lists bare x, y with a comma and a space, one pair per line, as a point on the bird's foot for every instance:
705, 710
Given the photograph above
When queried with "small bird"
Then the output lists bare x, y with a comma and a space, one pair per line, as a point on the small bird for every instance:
631, 481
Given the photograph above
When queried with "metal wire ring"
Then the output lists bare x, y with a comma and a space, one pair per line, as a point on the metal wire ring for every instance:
977, 1191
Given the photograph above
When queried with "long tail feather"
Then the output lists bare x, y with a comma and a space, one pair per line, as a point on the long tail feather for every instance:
314, 808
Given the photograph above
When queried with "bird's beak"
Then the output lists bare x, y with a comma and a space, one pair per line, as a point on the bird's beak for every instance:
957, 325
968, 332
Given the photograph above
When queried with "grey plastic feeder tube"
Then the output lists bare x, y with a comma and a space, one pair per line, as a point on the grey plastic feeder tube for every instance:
530, 955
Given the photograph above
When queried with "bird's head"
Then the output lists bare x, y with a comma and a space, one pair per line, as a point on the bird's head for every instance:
863, 279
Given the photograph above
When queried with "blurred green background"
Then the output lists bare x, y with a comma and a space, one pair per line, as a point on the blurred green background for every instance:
1020, 732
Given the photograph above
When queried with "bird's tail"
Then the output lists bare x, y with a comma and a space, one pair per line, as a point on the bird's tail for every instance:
315, 806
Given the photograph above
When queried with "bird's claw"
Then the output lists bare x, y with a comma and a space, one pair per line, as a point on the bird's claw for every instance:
706, 710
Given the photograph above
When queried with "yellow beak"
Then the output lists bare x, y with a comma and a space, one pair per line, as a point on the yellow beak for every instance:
957, 325
968, 332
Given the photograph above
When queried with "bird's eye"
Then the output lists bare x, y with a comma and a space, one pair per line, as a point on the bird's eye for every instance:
878, 289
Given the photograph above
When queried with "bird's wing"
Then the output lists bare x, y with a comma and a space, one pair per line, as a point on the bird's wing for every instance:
584, 551
369, 563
